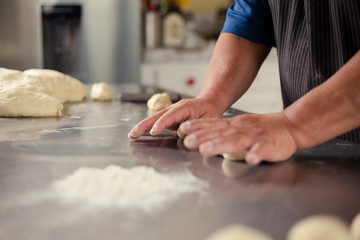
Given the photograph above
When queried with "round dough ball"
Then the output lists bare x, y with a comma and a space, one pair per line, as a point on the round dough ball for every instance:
235, 157
355, 228
238, 232
180, 145
180, 134
319, 227
101, 92
159, 101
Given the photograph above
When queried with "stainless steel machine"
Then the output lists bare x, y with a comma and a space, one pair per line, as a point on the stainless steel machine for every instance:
91, 40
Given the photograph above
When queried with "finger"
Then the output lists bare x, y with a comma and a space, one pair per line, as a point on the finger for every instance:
145, 125
230, 144
258, 152
265, 150
199, 124
194, 140
172, 117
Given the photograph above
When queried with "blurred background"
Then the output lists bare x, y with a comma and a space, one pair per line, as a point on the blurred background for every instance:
161, 43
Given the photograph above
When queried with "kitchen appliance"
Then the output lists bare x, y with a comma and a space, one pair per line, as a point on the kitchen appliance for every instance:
91, 40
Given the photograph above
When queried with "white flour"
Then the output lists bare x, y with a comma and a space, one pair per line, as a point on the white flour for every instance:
138, 187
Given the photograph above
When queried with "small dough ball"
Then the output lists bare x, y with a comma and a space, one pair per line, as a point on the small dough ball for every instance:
234, 169
319, 227
355, 228
101, 92
180, 134
238, 232
159, 101
180, 145
235, 157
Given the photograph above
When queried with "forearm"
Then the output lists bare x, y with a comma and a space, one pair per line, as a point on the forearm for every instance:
329, 110
233, 67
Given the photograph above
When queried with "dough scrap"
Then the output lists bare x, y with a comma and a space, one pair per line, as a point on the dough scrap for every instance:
355, 228
159, 101
180, 134
235, 157
37, 92
239, 232
101, 92
319, 227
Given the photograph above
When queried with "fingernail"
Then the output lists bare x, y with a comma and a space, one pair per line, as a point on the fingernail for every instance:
153, 130
131, 133
207, 148
185, 126
190, 140
253, 159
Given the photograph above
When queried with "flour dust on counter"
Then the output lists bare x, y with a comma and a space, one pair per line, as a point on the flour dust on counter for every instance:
37, 92
139, 187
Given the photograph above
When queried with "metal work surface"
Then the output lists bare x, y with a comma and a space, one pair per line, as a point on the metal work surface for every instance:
269, 197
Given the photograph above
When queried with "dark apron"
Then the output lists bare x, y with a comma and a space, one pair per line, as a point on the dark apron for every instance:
314, 38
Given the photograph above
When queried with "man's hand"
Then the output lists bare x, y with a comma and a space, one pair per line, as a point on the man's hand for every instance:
263, 136
171, 117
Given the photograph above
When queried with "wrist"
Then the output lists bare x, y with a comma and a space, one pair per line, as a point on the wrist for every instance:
293, 131
215, 101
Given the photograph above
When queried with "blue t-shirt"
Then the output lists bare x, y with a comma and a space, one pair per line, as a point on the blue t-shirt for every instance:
250, 19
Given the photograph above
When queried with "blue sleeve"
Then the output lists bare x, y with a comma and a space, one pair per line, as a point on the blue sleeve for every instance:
250, 19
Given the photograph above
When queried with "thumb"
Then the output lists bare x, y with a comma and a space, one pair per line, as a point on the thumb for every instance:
258, 152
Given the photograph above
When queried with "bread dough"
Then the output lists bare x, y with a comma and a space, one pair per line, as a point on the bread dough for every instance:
37, 92
239, 232
355, 228
180, 134
180, 145
101, 92
60, 86
233, 169
319, 227
159, 101
235, 157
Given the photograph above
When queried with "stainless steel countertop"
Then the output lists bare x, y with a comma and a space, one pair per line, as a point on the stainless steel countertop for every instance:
269, 197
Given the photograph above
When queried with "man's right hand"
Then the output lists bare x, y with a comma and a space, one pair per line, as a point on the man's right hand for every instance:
171, 117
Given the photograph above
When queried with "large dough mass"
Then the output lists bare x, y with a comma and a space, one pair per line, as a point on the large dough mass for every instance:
37, 92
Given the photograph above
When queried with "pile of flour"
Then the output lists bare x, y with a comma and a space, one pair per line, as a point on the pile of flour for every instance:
138, 187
